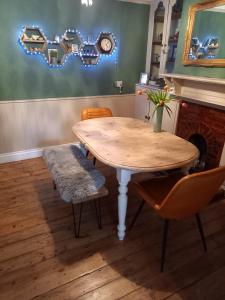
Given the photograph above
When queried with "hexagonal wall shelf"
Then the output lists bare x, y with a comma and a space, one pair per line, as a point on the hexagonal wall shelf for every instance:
55, 55
33, 40
58, 51
72, 42
89, 54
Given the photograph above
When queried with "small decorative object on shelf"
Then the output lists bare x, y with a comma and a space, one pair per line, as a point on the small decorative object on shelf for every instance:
57, 52
53, 56
144, 77
156, 58
74, 48
203, 50
57, 39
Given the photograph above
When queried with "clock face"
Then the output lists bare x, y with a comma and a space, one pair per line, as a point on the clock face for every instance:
106, 45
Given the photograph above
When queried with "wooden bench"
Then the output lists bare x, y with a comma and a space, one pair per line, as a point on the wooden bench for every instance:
76, 178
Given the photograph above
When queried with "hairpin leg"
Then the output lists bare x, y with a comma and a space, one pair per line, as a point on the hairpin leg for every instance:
54, 185
77, 228
97, 204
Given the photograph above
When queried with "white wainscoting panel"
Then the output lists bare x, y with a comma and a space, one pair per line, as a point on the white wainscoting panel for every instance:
29, 125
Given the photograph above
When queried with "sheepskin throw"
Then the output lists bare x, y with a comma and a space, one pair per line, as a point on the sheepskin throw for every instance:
75, 176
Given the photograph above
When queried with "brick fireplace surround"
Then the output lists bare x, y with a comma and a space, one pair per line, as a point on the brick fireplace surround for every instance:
207, 122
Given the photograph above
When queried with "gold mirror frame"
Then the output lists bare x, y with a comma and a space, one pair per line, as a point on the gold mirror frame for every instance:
188, 37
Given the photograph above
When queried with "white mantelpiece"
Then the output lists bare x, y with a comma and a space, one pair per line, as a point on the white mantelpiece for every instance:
210, 91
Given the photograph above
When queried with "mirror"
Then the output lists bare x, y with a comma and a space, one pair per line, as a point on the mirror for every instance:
205, 36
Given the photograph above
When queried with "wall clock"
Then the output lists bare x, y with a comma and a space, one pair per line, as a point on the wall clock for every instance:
106, 45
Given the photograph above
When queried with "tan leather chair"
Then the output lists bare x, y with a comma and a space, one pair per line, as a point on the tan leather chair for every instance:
176, 198
92, 113
95, 112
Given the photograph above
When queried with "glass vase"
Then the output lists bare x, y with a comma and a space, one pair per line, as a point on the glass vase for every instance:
158, 119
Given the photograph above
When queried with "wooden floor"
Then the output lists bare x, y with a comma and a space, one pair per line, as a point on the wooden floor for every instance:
40, 259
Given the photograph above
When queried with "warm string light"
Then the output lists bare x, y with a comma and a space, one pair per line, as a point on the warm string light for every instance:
94, 56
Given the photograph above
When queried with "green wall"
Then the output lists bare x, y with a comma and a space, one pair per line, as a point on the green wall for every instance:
194, 70
28, 77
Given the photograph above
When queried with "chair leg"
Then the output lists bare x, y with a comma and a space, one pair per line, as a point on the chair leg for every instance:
94, 161
164, 244
77, 229
136, 215
200, 228
97, 204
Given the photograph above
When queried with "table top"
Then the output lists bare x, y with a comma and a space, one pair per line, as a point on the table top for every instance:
131, 144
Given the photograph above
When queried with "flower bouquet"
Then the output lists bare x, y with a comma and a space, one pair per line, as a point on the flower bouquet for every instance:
160, 99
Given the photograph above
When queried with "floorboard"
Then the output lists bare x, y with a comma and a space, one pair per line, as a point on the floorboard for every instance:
41, 259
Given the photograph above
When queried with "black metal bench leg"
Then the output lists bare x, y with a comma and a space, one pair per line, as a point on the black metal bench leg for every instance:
97, 204
54, 185
164, 244
94, 158
77, 227
136, 215
200, 228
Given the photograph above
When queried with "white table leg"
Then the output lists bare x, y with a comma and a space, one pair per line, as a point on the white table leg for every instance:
123, 177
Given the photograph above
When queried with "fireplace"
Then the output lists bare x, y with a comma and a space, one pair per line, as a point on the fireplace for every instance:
205, 127
199, 141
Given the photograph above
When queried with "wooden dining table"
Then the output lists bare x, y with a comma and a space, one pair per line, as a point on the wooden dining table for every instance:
131, 146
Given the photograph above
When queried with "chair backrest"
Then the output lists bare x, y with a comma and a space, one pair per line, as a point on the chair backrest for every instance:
95, 112
191, 193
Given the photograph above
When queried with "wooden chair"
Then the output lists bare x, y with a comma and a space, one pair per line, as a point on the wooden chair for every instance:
95, 112
176, 198
92, 113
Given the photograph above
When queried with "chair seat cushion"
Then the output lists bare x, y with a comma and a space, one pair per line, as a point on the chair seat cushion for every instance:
76, 178
155, 190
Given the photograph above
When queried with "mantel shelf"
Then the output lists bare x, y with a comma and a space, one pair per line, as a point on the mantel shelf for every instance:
203, 89
194, 78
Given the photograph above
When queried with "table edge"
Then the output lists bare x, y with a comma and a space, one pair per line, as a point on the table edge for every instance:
133, 168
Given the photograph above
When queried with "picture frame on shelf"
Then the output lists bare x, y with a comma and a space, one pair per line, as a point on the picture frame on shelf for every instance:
144, 77
53, 56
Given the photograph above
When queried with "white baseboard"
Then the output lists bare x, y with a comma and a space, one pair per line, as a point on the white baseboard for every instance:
20, 155
25, 154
